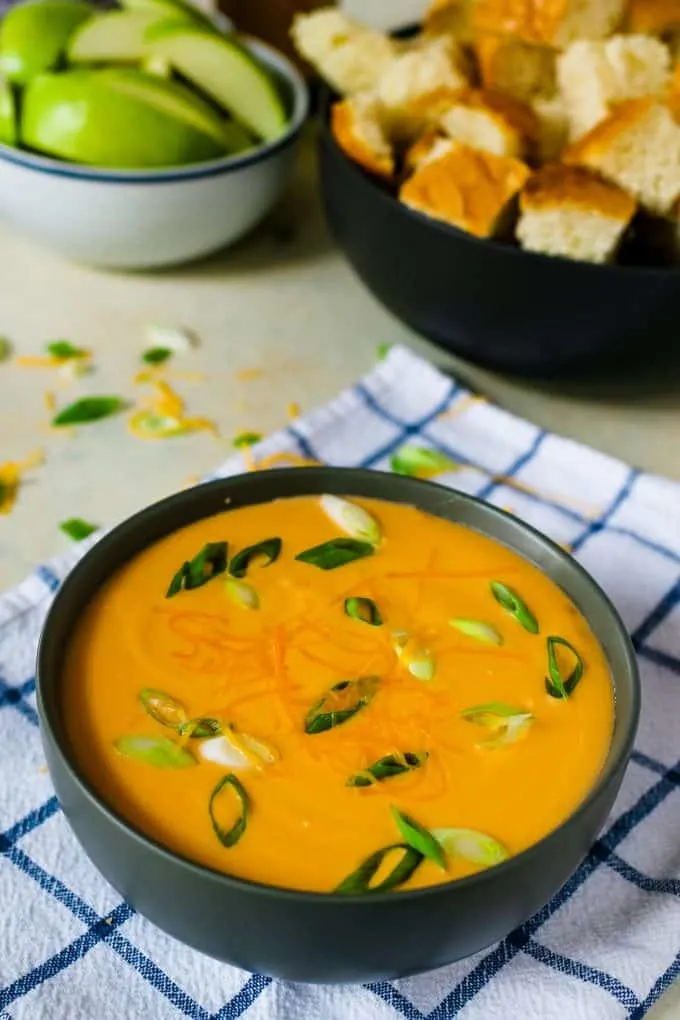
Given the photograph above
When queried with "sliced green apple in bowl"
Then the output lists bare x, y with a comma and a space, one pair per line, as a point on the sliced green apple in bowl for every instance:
116, 36
121, 118
8, 114
172, 9
225, 70
34, 36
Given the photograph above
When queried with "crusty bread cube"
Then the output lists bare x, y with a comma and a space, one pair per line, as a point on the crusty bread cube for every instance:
430, 146
548, 22
466, 188
356, 127
348, 55
637, 147
593, 76
514, 67
553, 127
570, 211
414, 85
493, 122
448, 17
653, 17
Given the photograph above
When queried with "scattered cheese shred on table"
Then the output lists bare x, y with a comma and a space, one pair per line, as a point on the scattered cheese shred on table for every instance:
248, 374
462, 405
10, 478
162, 416
293, 410
276, 459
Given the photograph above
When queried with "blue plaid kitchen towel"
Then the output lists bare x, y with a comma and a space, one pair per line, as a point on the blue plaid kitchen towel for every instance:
607, 945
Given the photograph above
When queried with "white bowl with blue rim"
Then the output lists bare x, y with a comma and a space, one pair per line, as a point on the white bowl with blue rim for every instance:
142, 219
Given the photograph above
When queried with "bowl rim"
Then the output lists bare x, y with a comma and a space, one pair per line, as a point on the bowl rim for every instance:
327, 97
273, 58
222, 487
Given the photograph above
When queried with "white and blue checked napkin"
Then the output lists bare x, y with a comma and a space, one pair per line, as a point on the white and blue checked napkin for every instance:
606, 947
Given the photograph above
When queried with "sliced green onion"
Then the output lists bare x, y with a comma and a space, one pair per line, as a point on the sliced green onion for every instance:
88, 409
478, 630
5, 348
507, 723
243, 594
359, 882
244, 439
342, 701
388, 767
63, 350
175, 339
352, 519
417, 836
473, 846
201, 727
208, 563
156, 355
413, 656
421, 462
230, 786
157, 751
513, 604
364, 610
74, 368
269, 550
77, 529
556, 684
163, 708
336, 553
382, 350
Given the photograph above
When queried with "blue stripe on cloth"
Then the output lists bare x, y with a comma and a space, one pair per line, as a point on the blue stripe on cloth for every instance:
601, 522
244, 999
389, 994
522, 461
406, 430
663, 983
69, 955
654, 766
668, 886
592, 975
667, 604
48, 577
14, 696
28, 823
659, 658
88, 916
493, 962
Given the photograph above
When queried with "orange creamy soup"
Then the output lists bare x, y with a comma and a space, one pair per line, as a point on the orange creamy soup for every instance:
367, 677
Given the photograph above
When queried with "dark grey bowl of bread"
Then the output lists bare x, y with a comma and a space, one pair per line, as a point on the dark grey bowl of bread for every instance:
509, 185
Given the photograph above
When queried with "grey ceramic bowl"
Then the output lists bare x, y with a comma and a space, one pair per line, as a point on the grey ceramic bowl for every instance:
306, 936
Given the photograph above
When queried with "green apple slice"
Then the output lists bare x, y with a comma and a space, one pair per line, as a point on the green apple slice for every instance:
33, 36
224, 70
90, 117
172, 9
178, 101
8, 114
114, 36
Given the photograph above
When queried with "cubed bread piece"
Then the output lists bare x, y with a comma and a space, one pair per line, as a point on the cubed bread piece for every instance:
553, 127
514, 67
357, 129
593, 76
430, 146
549, 22
467, 188
348, 55
653, 17
637, 147
415, 85
448, 17
570, 211
493, 122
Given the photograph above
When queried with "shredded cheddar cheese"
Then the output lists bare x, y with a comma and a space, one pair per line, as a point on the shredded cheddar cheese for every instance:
10, 478
162, 415
293, 410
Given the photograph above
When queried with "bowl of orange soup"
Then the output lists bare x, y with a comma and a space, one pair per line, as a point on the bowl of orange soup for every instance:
331, 724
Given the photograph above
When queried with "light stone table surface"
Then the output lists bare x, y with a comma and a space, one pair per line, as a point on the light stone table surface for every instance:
283, 301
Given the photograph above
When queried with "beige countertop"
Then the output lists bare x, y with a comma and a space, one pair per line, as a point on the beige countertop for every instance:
284, 302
